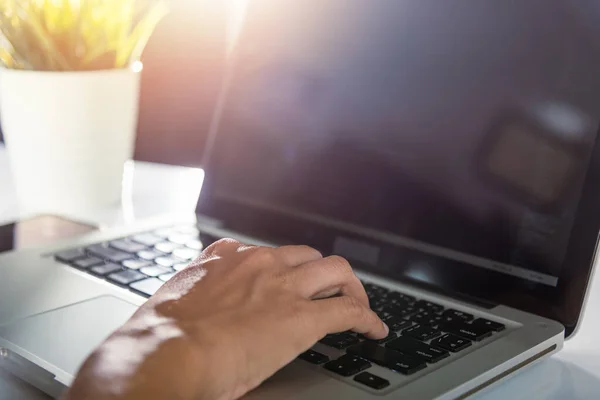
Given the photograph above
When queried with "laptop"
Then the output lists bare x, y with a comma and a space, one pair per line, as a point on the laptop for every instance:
448, 151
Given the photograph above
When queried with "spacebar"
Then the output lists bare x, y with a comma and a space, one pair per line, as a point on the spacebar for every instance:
387, 358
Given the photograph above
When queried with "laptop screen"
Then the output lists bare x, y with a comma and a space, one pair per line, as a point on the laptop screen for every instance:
459, 131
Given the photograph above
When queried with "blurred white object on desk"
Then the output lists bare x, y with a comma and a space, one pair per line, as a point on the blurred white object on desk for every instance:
148, 190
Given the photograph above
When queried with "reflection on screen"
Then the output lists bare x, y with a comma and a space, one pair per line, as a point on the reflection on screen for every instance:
465, 125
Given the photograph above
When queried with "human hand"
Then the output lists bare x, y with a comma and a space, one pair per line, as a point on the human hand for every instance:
229, 321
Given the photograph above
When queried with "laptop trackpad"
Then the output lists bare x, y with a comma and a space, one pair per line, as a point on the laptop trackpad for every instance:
64, 337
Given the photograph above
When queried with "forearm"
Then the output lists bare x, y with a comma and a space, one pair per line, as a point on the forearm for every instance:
142, 361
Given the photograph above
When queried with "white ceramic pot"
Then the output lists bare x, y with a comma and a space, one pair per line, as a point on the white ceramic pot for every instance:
68, 135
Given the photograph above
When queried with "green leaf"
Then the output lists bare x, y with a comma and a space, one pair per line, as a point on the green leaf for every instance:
64, 35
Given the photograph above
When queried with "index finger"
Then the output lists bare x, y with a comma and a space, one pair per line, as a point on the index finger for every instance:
345, 313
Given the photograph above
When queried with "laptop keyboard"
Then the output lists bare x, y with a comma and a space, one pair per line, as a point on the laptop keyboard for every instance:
422, 333
141, 262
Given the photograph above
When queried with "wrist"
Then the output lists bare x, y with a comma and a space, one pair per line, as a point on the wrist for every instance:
172, 364
148, 357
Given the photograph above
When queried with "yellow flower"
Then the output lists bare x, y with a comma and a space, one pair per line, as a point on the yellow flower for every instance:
75, 35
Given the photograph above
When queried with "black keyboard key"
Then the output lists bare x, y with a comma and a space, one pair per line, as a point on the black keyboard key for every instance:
437, 320
468, 331
428, 306
108, 253
348, 365
417, 349
70, 255
399, 310
387, 358
428, 317
423, 317
451, 343
381, 312
105, 269
390, 336
397, 297
375, 290
127, 246
314, 357
377, 303
85, 263
126, 277
421, 332
373, 296
457, 315
396, 323
340, 340
495, 326
397, 302
372, 381
136, 264
146, 287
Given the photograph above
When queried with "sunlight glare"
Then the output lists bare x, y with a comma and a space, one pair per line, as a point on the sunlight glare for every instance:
236, 18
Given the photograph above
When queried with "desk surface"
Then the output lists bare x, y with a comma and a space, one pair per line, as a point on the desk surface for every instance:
574, 373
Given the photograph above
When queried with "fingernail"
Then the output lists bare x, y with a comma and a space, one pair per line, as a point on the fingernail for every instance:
387, 328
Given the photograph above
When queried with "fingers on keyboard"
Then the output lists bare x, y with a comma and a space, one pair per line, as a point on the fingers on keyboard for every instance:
421, 333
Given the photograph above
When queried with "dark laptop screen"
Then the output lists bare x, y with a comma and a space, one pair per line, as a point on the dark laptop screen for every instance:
457, 129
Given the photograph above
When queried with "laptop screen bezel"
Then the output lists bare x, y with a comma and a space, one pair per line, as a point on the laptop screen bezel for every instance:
576, 271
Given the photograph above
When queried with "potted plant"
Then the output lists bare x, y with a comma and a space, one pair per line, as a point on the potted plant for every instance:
69, 93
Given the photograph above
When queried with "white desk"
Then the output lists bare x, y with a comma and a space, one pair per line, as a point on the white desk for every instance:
156, 189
